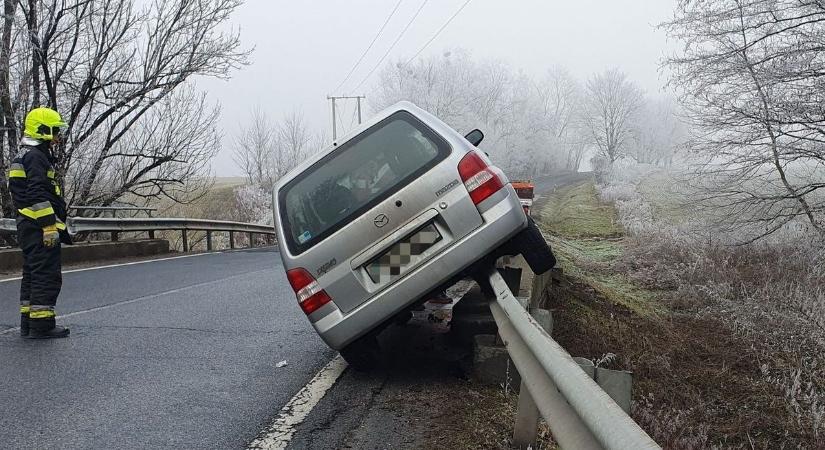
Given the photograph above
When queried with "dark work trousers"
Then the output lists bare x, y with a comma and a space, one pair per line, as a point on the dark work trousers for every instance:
42, 277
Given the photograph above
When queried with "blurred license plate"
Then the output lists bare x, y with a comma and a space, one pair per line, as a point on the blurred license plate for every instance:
402, 255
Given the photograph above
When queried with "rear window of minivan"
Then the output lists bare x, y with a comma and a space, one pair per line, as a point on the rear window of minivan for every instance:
356, 176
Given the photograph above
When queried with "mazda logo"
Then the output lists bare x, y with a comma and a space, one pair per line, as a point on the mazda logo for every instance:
381, 220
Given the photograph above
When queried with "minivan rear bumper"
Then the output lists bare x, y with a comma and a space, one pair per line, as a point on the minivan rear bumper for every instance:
502, 221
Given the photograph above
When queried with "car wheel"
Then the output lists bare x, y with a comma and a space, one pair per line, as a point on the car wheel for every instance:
535, 250
364, 354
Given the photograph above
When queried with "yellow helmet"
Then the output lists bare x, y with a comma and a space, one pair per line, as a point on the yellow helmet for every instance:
42, 123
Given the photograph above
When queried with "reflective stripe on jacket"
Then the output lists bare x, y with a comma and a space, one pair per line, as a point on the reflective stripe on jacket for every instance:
34, 188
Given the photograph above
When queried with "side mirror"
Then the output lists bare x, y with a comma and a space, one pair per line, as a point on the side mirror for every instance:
475, 137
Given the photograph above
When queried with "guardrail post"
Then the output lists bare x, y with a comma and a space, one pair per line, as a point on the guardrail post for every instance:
526, 427
232, 240
185, 239
618, 384
151, 234
114, 233
208, 241
251, 240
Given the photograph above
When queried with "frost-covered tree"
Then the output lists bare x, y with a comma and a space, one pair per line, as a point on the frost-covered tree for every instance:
749, 77
560, 99
529, 125
659, 132
611, 105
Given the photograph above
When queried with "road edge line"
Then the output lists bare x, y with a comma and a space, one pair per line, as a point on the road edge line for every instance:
279, 434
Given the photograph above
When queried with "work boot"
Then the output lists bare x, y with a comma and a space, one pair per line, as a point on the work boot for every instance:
52, 333
24, 324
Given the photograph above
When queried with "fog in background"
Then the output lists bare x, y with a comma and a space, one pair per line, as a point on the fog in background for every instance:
303, 50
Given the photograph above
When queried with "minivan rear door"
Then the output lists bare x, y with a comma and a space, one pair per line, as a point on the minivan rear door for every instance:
386, 200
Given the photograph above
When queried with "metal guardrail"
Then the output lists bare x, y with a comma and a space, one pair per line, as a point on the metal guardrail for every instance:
8, 225
102, 224
579, 413
113, 209
77, 225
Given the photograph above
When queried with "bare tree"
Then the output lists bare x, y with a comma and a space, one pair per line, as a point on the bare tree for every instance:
255, 144
119, 71
266, 150
295, 140
750, 81
610, 108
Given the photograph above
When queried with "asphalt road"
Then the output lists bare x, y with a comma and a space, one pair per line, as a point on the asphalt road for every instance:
166, 354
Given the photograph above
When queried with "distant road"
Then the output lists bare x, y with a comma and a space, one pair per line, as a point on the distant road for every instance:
546, 183
179, 353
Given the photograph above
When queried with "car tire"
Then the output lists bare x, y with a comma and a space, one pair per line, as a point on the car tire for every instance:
536, 251
363, 354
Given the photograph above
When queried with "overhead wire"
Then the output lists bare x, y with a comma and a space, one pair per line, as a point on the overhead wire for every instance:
364, 54
424, 3
439, 31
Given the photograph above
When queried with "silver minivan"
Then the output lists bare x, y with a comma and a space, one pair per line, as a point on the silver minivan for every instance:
398, 208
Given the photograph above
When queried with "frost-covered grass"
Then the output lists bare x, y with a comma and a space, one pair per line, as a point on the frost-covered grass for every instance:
575, 212
586, 236
726, 340
771, 292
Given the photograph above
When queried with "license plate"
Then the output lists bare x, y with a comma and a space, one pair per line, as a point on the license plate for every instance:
402, 255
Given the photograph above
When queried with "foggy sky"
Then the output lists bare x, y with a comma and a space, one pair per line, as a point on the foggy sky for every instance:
303, 49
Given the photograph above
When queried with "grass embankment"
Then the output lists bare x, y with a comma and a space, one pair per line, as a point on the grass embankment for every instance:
587, 238
698, 383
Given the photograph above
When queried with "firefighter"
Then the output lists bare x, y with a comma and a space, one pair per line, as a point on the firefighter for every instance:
40, 223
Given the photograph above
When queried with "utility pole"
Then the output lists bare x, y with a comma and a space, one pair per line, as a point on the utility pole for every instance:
334, 134
332, 99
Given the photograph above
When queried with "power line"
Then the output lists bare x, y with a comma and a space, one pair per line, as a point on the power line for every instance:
351, 71
439, 31
393, 44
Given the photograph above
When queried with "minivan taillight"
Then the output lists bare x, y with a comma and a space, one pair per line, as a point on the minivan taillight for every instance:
480, 181
307, 290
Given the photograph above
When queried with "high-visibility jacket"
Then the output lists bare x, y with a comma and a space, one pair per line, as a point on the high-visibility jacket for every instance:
34, 188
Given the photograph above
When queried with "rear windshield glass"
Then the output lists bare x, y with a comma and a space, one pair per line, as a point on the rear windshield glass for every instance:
356, 176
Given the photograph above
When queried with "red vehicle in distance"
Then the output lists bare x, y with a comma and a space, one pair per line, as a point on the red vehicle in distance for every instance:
524, 190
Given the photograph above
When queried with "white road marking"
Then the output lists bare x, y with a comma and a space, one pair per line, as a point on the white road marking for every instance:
122, 264
279, 434
138, 299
